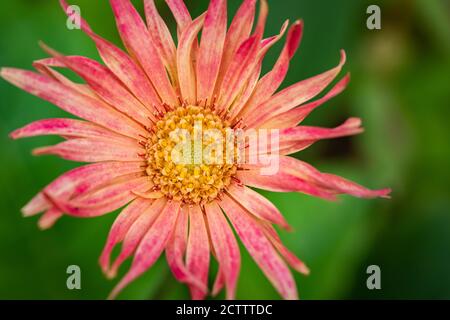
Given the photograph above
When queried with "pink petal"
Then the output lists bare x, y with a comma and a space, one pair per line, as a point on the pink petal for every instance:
257, 205
120, 228
197, 251
93, 150
260, 248
185, 60
211, 48
103, 201
49, 218
176, 249
138, 41
305, 133
151, 245
243, 63
288, 256
293, 168
44, 67
80, 181
162, 39
68, 128
123, 67
72, 101
294, 95
226, 249
238, 110
136, 232
283, 181
106, 85
180, 12
293, 117
272, 81
239, 30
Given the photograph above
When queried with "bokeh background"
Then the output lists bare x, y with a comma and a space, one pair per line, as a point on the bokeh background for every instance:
400, 87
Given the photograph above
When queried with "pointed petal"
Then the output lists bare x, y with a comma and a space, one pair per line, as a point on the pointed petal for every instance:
288, 256
151, 245
123, 67
72, 101
138, 41
136, 232
239, 30
93, 150
305, 133
104, 200
226, 248
68, 128
294, 95
260, 248
180, 12
176, 250
106, 85
162, 39
197, 251
257, 205
120, 228
243, 63
295, 169
185, 60
272, 81
211, 48
49, 218
293, 117
80, 181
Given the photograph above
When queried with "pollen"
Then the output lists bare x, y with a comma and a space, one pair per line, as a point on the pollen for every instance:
190, 155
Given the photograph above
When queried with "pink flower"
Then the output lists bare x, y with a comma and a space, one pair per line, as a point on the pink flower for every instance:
133, 103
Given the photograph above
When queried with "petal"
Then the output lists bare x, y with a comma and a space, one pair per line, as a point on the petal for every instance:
151, 245
211, 48
243, 63
80, 181
103, 201
138, 41
120, 228
73, 102
49, 218
44, 66
136, 232
68, 128
239, 30
272, 81
260, 248
106, 85
197, 251
256, 204
305, 133
93, 150
282, 181
226, 249
176, 250
185, 60
294, 95
162, 39
294, 168
180, 12
123, 67
293, 117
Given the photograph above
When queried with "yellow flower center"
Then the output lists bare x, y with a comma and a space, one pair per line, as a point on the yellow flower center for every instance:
190, 155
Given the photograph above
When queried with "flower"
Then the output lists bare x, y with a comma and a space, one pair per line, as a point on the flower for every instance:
131, 107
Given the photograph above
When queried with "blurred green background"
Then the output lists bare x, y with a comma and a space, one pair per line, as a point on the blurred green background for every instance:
400, 87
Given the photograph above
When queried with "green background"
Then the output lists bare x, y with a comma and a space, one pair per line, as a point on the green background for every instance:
400, 87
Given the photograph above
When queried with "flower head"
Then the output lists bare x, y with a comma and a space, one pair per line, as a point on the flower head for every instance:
166, 127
